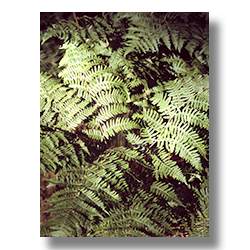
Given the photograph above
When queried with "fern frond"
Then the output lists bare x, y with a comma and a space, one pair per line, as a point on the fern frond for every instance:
134, 139
180, 91
51, 152
125, 153
193, 117
72, 205
111, 96
165, 191
141, 40
201, 225
131, 221
113, 126
109, 111
77, 115
164, 167
95, 134
153, 119
131, 94
64, 30
183, 141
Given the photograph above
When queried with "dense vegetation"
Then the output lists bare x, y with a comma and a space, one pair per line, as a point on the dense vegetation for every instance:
124, 107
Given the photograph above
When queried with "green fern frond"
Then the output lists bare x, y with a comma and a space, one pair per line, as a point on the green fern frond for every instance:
114, 126
111, 96
51, 152
164, 167
183, 141
131, 93
153, 119
201, 225
141, 40
95, 134
64, 30
134, 139
165, 191
131, 221
109, 111
193, 117
116, 58
125, 153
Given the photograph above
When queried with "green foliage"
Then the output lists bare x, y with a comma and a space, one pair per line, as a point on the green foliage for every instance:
124, 126
201, 226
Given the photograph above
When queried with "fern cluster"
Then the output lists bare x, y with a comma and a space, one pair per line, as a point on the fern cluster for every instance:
124, 125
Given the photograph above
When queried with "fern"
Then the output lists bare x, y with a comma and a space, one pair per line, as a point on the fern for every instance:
164, 167
141, 40
124, 126
166, 192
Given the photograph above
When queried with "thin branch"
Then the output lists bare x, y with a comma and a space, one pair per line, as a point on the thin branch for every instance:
75, 18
